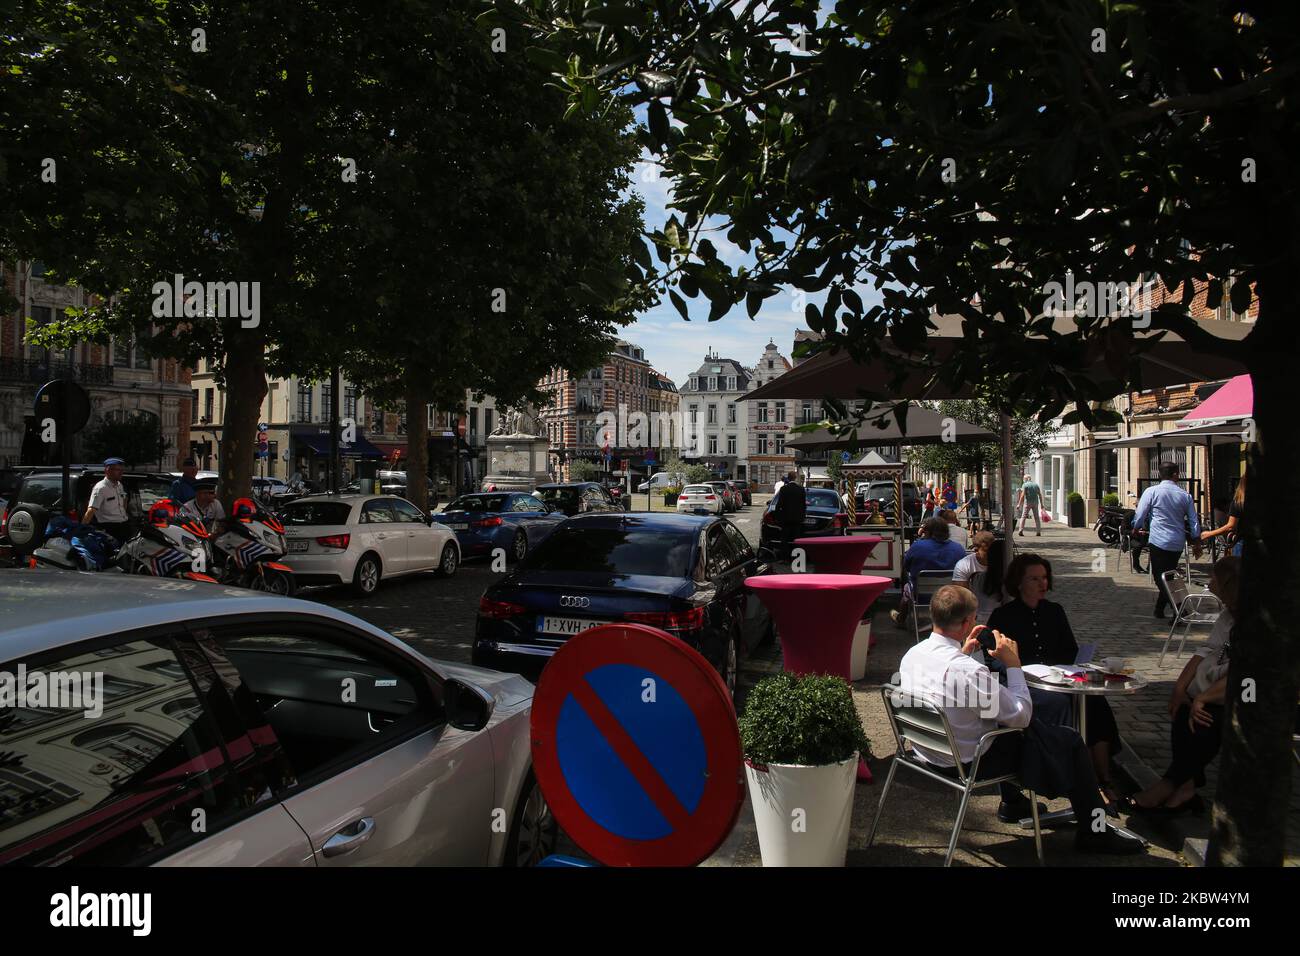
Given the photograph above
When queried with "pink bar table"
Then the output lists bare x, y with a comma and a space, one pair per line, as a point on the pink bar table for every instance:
816, 616
839, 555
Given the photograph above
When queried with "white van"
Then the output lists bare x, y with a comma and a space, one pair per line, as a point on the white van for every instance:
661, 479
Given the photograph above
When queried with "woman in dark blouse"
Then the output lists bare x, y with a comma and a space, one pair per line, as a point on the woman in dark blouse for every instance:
1043, 635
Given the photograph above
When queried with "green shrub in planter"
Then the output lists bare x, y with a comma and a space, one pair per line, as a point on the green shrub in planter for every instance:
1074, 496
801, 719
1110, 500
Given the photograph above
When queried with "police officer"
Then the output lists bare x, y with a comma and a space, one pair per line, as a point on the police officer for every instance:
204, 507
184, 488
107, 509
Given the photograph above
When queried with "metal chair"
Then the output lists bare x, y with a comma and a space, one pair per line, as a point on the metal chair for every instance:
1187, 608
921, 724
927, 583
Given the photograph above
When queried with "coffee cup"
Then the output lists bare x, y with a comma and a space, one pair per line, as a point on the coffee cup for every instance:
1114, 665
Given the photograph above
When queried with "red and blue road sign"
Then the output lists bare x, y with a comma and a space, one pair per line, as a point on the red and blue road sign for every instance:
636, 748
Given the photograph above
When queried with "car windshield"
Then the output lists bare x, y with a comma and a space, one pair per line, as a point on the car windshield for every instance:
306, 513
698, 490
822, 498
478, 503
558, 494
650, 551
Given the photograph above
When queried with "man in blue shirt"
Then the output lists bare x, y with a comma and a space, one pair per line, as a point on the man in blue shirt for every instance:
183, 488
1170, 514
931, 551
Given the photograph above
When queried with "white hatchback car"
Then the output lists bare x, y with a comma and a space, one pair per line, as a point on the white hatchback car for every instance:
358, 539
700, 497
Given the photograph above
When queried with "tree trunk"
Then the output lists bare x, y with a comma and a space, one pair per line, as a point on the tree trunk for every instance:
1250, 809
245, 390
417, 442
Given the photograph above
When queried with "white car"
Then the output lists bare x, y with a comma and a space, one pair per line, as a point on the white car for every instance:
697, 497
660, 479
359, 539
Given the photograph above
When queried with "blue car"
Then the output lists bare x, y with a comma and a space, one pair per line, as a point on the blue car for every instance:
488, 520
684, 574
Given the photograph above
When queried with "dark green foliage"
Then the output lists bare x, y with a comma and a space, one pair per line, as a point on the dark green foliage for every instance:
133, 438
801, 719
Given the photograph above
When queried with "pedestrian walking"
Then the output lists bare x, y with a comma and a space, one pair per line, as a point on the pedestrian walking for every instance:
791, 505
1168, 512
1030, 499
107, 510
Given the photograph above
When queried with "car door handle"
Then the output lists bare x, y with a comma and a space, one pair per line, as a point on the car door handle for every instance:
350, 837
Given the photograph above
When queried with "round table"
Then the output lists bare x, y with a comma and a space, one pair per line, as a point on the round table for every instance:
839, 554
1079, 692
816, 616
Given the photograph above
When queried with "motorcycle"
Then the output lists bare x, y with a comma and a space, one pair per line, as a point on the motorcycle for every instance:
246, 550
1111, 521
168, 546
74, 546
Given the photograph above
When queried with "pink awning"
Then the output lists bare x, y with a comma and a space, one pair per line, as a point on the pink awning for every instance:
1234, 399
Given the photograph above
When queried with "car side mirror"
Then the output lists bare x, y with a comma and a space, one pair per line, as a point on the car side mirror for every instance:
468, 707
766, 555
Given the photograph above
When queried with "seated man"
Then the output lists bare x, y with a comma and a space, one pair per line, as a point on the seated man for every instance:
204, 506
945, 672
955, 531
931, 551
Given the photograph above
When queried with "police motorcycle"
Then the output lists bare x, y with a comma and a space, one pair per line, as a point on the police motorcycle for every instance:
74, 546
246, 548
169, 545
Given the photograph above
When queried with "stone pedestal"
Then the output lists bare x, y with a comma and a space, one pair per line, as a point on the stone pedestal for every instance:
517, 462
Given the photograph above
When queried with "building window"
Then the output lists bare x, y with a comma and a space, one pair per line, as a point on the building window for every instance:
713, 414
377, 425
780, 411
713, 383
487, 421
762, 412
304, 401
350, 402
194, 407
208, 398
695, 413
713, 444
326, 400
731, 383
731, 414
771, 364
731, 444
780, 446
762, 444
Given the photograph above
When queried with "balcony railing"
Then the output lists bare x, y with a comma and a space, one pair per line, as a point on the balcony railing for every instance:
38, 371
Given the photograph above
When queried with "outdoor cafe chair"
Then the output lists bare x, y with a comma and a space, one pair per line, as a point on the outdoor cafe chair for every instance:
1200, 608
927, 583
918, 723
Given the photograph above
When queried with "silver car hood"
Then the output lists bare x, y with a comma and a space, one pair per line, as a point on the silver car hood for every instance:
508, 689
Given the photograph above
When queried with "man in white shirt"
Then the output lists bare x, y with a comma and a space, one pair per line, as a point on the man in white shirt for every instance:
946, 671
204, 506
955, 531
107, 509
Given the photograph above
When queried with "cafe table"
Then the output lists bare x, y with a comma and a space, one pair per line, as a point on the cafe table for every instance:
816, 616
839, 555
1079, 692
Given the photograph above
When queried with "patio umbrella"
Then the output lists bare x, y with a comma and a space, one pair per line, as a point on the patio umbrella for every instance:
922, 427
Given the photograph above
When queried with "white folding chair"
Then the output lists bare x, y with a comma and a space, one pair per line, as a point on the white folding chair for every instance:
927, 582
918, 723
1200, 608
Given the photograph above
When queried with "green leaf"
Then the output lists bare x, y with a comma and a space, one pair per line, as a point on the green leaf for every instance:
657, 118
548, 59
753, 302
1240, 297
680, 305
631, 15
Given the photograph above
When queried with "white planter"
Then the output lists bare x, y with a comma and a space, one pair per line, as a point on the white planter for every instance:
861, 646
803, 813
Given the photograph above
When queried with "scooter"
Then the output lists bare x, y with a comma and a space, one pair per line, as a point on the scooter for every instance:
168, 546
1111, 521
247, 548
74, 546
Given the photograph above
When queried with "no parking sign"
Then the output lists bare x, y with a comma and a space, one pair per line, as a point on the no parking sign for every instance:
636, 748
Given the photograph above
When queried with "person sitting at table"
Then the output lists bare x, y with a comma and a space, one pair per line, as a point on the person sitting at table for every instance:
1196, 707
931, 551
944, 671
955, 531
1232, 525
981, 572
1042, 630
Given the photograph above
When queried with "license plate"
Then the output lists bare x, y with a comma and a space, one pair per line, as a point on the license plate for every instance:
296, 546
810, 522
567, 626
459, 526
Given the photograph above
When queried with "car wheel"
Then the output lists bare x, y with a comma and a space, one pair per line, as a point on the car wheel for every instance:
448, 562
365, 580
519, 547
534, 833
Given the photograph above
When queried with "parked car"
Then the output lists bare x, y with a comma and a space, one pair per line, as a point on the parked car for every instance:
823, 516
225, 707
684, 574
883, 491
695, 498
618, 494
741, 490
38, 496
661, 480
394, 483
511, 520
206, 476
360, 539
577, 497
728, 496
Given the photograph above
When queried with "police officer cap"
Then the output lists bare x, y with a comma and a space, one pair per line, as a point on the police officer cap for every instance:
113, 461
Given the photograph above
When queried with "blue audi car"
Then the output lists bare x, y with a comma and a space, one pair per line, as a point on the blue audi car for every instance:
684, 574
488, 520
